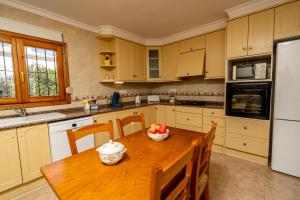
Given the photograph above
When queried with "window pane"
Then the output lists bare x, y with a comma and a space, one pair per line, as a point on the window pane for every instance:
7, 81
42, 71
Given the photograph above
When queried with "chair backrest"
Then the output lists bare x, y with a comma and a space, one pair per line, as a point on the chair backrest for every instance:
127, 120
203, 153
161, 178
76, 134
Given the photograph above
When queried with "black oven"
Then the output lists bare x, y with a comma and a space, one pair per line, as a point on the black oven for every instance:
251, 100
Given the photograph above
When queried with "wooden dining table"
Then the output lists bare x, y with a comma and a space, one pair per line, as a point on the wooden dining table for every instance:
84, 176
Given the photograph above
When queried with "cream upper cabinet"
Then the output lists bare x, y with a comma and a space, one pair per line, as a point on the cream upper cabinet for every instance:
287, 20
10, 170
250, 35
138, 62
191, 63
215, 55
170, 59
34, 150
192, 44
237, 37
154, 63
261, 28
160, 114
170, 116
124, 51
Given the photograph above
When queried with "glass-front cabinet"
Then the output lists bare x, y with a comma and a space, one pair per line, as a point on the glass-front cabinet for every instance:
154, 63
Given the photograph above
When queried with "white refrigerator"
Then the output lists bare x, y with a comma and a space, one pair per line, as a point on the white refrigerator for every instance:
286, 124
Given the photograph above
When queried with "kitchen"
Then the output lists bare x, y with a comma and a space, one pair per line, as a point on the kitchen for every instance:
230, 70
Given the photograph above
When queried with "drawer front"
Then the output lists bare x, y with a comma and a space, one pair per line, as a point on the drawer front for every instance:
248, 127
257, 128
190, 128
209, 112
210, 120
189, 119
188, 109
234, 125
219, 131
247, 144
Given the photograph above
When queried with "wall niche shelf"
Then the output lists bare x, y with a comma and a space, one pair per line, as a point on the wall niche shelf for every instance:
268, 59
107, 52
108, 66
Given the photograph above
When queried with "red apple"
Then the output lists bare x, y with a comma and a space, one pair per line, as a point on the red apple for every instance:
163, 126
162, 130
152, 130
157, 127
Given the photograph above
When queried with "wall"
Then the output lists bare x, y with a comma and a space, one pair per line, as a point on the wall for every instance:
84, 68
193, 89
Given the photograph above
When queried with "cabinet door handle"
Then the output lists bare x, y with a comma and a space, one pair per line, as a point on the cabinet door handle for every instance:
244, 48
206, 72
212, 122
244, 143
187, 119
187, 73
95, 121
245, 127
250, 47
212, 113
191, 49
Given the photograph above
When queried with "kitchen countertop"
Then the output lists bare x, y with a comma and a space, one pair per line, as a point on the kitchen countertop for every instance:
74, 113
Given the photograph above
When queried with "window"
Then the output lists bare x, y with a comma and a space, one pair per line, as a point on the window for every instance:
32, 71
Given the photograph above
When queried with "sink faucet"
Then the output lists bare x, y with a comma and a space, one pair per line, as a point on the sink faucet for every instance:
22, 112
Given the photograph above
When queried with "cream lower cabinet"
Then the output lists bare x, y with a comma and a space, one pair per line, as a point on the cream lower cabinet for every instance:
151, 116
170, 116
250, 137
211, 116
34, 150
189, 118
10, 173
101, 138
160, 114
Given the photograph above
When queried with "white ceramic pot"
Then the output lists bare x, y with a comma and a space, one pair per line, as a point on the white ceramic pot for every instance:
112, 152
157, 136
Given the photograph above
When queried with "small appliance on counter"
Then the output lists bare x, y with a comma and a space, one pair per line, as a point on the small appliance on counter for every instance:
152, 99
91, 104
115, 100
138, 100
172, 99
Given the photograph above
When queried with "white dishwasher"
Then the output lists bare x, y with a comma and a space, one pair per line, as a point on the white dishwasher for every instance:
59, 142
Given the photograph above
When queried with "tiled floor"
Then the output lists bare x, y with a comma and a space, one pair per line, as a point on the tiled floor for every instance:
231, 179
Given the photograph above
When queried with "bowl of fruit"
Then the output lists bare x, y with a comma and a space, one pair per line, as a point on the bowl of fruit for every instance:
158, 132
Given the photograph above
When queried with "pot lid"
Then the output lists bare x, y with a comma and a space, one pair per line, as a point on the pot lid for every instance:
110, 147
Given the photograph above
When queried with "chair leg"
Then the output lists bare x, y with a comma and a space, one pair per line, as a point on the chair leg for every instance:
206, 192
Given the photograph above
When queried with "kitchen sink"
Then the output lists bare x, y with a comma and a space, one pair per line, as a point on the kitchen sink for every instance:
30, 119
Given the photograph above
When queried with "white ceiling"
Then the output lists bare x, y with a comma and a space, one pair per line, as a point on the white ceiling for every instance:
147, 18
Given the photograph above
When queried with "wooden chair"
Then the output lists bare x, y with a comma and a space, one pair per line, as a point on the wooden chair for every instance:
74, 135
127, 120
200, 175
162, 178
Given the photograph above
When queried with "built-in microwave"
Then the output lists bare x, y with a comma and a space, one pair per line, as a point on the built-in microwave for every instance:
250, 100
249, 71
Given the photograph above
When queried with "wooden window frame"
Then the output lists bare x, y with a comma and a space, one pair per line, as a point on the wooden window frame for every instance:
23, 99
